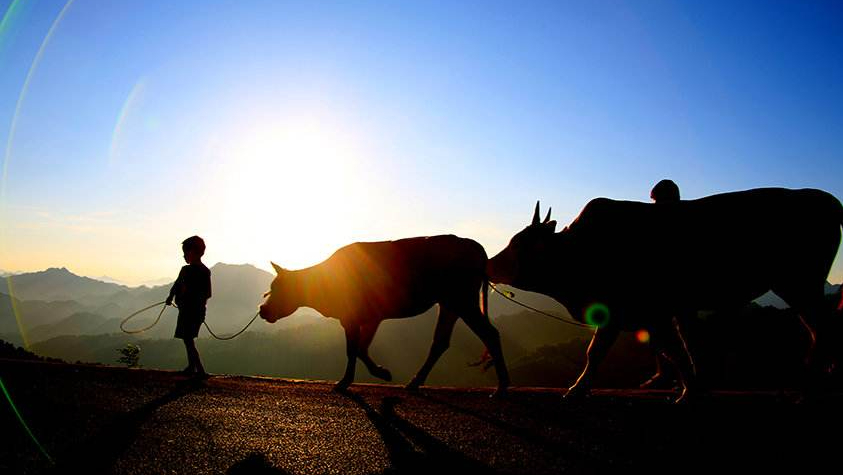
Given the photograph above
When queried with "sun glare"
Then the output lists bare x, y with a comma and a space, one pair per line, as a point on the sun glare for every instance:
289, 191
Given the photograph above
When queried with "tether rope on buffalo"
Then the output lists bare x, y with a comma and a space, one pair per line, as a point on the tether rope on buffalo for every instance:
510, 296
158, 318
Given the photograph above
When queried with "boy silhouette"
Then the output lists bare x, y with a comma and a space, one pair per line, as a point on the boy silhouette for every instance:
665, 191
191, 290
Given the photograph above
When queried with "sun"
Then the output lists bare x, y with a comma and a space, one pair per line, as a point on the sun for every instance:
290, 190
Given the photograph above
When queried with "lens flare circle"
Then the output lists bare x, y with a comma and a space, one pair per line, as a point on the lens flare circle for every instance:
597, 315
24, 89
23, 422
132, 101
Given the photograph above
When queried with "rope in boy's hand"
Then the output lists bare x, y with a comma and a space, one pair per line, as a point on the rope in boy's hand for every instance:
170, 304
133, 315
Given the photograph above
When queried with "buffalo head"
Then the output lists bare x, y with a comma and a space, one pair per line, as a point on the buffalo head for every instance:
521, 263
281, 300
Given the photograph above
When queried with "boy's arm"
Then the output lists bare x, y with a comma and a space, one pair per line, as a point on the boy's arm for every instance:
173, 290
208, 285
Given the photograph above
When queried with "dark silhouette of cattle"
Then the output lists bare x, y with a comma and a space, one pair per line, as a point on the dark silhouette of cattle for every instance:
625, 265
365, 283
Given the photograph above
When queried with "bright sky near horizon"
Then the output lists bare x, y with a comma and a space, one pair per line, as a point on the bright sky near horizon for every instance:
283, 130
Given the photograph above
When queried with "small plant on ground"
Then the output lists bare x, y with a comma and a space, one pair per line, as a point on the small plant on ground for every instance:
130, 355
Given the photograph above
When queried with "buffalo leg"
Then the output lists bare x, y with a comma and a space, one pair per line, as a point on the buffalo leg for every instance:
812, 339
821, 357
483, 328
668, 340
367, 333
665, 377
352, 338
597, 350
809, 303
441, 341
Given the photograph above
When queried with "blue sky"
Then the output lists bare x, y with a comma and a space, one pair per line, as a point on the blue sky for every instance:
145, 122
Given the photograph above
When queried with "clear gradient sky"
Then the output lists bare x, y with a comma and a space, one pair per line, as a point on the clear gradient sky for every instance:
282, 130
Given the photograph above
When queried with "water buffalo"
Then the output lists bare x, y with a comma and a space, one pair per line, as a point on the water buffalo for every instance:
624, 265
365, 283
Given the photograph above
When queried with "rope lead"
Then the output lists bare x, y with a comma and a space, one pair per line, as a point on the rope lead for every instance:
511, 297
158, 318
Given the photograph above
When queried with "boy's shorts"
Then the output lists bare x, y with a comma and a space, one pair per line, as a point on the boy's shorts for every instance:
187, 326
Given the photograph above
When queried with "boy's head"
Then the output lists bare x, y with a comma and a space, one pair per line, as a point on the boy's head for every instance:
194, 249
665, 191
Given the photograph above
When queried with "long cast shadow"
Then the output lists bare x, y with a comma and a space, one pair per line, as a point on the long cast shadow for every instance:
520, 432
255, 464
399, 436
99, 453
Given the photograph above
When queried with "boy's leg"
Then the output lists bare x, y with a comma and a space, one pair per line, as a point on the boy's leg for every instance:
193, 356
191, 366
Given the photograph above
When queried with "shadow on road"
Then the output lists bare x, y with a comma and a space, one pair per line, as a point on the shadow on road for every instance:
523, 433
399, 436
744, 432
99, 453
255, 464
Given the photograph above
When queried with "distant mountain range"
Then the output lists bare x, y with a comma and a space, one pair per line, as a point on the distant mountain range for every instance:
149, 283
73, 317
772, 300
315, 348
58, 284
58, 302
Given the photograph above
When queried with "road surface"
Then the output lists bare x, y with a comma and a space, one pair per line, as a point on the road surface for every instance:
98, 420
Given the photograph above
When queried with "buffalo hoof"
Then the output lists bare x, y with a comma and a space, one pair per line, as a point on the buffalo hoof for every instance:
659, 381
342, 386
382, 373
500, 393
688, 397
576, 394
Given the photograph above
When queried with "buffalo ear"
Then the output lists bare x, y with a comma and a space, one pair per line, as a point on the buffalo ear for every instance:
278, 269
536, 216
551, 224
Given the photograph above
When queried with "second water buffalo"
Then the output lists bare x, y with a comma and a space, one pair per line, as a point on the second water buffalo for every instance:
624, 265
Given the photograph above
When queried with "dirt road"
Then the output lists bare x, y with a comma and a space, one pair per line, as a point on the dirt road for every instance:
115, 420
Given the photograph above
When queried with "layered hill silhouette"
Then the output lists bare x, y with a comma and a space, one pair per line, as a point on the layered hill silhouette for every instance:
60, 284
82, 324
57, 302
77, 318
